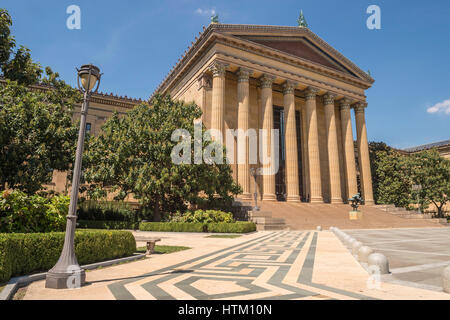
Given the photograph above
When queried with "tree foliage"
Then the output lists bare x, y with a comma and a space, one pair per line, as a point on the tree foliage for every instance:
37, 134
132, 155
432, 172
394, 175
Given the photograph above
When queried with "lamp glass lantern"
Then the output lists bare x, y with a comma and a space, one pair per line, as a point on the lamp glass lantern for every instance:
88, 77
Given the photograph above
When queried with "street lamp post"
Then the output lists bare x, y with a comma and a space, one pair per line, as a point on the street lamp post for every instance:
67, 273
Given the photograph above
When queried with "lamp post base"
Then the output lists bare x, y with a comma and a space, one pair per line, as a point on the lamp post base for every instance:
71, 280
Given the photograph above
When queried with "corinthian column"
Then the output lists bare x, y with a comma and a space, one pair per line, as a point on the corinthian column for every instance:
243, 124
292, 183
313, 146
333, 151
363, 154
218, 96
267, 126
349, 149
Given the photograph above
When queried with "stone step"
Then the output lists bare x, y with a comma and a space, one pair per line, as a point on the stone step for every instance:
268, 220
384, 206
410, 215
270, 227
259, 214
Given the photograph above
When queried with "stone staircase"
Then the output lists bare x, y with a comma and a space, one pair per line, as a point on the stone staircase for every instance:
408, 214
265, 221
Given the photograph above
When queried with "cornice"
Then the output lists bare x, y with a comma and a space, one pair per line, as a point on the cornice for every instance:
99, 97
214, 31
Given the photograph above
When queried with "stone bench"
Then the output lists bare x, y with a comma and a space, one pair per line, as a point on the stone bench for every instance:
150, 243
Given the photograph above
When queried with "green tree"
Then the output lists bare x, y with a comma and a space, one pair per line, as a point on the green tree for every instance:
376, 151
393, 184
16, 65
132, 155
432, 172
37, 135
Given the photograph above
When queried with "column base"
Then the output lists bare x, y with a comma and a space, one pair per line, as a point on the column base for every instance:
269, 197
337, 201
369, 203
316, 200
293, 198
245, 196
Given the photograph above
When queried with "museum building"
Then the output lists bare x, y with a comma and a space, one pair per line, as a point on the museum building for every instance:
273, 77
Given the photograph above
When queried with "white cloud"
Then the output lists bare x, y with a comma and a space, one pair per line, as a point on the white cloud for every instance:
205, 12
443, 106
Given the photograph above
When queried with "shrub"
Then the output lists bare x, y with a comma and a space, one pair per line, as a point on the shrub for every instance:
201, 216
172, 227
237, 227
23, 213
25, 253
106, 211
110, 225
221, 227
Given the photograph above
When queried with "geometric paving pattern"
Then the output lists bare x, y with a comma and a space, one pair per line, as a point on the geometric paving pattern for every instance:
278, 265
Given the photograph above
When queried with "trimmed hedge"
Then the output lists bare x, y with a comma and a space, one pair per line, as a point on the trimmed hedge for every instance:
202, 216
237, 227
172, 226
109, 225
222, 227
31, 252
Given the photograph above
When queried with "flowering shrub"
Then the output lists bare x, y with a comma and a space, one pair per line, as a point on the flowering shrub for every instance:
22, 213
204, 216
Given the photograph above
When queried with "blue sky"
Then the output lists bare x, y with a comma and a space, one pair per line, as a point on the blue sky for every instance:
136, 43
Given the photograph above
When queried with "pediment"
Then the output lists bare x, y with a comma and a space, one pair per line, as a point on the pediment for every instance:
300, 47
296, 42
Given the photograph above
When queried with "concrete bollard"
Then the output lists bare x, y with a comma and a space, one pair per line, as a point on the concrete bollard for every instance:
319, 228
379, 262
351, 242
363, 253
355, 248
348, 239
446, 280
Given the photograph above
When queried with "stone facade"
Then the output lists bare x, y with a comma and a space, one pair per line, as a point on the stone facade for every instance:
240, 75
258, 77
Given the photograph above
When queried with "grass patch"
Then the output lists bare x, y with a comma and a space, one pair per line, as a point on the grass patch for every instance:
163, 249
2, 286
231, 236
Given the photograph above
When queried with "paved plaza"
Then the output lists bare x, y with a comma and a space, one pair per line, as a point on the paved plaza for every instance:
261, 265
417, 257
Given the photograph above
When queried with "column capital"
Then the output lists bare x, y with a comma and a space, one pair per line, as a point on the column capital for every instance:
218, 68
360, 106
267, 81
328, 98
345, 103
289, 87
244, 74
204, 81
311, 93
